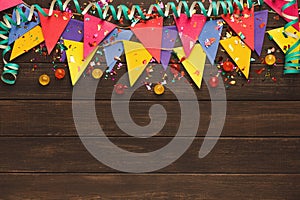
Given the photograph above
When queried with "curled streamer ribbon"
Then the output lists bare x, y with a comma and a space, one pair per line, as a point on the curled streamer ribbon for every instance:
292, 57
121, 11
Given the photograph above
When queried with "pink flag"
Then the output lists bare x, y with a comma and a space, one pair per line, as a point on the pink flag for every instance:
276, 5
150, 35
5, 4
189, 30
95, 30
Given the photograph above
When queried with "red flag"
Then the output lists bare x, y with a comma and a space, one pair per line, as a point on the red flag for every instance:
150, 35
242, 24
53, 27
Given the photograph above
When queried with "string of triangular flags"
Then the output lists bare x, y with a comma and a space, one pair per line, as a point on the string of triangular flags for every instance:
199, 38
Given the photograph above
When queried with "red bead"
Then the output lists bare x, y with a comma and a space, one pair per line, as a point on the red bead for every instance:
228, 66
60, 73
214, 82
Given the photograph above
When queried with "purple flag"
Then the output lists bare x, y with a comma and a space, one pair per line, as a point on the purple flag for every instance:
169, 38
260, 24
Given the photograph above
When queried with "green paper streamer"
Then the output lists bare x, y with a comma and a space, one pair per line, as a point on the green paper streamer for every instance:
291, 65
130, 14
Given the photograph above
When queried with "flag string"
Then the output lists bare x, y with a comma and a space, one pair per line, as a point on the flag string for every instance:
136, 13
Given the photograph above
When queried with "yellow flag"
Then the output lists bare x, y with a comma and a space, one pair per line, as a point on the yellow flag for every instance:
77, 64
239, 52
282, 41
194, 64
26, 42
137, 58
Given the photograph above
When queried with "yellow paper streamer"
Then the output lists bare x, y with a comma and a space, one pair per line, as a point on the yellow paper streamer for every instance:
194, 64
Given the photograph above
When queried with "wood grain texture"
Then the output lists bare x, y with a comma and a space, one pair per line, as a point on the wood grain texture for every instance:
172, 186
259, 88
255, 118
231, 155
257, 157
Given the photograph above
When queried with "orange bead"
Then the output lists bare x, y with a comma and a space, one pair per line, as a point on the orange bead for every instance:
60, 73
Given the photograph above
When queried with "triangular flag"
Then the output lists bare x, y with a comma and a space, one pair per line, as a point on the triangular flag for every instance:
95, 30
292, 10
194, 64
239, 52
189, 30
242, 24
29, 40
282, 41
73, 31
19, 30
76, 63
169, 38
260, 25
114, 47
5, 4
137, 58
53, 27
150, 35
210, 38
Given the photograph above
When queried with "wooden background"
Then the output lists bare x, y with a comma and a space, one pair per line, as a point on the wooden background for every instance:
257, 156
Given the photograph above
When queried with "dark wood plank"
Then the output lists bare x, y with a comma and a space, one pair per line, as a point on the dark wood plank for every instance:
245, 156
55, 118
259, 88
209, 187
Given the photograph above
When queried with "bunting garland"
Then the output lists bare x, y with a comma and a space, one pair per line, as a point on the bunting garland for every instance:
170, 35
58, 22
8, 4
260, 25
194, 63
192, 39
114, 47
29, 40
17, 31
137, 58
210, 38
239, 52
150, 34
95, 30
189, 30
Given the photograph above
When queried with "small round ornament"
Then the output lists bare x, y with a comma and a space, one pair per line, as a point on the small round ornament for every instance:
60, 73
120, 89
44, 80
97, 73
270, 59
214, 82
159, 89
228, 66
